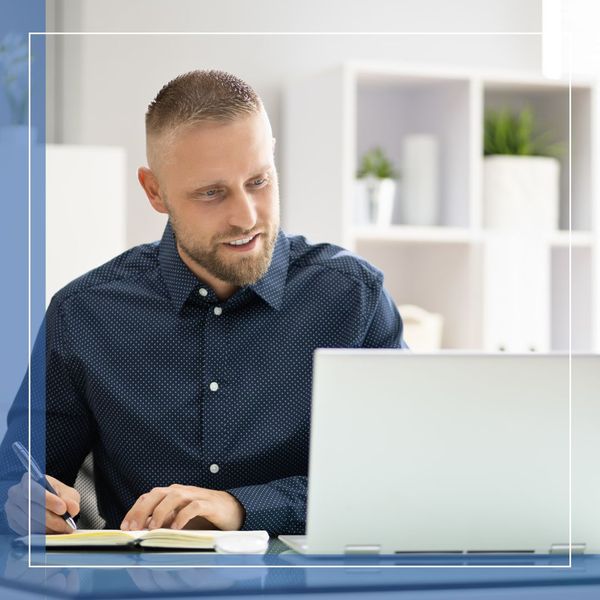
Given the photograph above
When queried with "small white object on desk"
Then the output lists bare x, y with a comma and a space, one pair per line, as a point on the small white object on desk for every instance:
422, 329
240, 544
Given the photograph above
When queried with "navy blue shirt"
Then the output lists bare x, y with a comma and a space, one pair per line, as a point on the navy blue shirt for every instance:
166, 384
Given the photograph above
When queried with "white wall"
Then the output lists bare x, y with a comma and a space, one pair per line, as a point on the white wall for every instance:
581, 53
105, 82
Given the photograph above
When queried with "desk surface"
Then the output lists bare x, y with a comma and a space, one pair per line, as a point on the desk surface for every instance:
106, 574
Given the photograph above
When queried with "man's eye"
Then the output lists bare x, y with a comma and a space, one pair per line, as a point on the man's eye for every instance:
211, 193
258, 182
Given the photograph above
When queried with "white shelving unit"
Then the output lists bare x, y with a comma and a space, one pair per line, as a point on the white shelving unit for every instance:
496, 292
85, 210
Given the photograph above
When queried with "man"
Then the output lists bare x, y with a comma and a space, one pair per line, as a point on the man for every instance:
185, 365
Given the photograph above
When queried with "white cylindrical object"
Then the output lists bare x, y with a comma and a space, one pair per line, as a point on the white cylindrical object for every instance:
374, 201
420, 180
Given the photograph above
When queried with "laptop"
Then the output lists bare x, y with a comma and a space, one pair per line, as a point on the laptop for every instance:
452, 453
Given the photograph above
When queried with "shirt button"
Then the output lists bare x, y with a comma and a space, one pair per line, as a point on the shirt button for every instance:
217, 310
214, 386
203, 292
214, 468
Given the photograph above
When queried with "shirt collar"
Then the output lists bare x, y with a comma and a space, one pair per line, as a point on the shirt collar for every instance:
181, 282
271, 286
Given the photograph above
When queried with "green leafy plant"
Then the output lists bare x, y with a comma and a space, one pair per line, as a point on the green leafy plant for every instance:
374, 163
13, 75
505, 132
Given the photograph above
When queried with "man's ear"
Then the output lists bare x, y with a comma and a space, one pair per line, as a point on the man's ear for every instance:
151, 186
274, 142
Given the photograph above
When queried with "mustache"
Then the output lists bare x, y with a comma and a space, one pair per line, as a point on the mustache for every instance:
236, 233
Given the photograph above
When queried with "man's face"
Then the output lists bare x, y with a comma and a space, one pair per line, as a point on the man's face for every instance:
219, 185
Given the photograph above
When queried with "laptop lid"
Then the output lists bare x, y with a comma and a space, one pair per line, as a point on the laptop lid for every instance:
451, 452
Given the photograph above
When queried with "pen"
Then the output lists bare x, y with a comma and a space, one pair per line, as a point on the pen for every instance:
37, 475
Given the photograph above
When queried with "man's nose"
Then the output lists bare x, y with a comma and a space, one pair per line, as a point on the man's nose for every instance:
243, 211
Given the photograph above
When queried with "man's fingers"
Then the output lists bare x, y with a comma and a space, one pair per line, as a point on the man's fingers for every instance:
18, 520
69, 495
164, 519
178, 505
38, 493
56, 524
67, 500
55, 504
14, 494
72, 507
41, 500
196, 508
166, 510
64, 491
143, 508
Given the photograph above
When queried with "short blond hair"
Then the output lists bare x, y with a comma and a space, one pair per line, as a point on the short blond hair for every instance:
197, 97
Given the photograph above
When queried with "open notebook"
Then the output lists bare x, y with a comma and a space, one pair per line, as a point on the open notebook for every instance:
156, 538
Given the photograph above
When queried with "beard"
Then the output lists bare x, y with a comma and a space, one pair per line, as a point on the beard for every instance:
239, 270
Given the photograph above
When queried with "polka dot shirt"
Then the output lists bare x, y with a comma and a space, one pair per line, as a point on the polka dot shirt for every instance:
167, 384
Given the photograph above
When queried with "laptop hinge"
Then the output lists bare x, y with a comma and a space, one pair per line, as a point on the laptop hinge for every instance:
362, 549
564, 548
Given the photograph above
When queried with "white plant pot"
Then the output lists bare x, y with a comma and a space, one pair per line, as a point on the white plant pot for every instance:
521, 193
380, 194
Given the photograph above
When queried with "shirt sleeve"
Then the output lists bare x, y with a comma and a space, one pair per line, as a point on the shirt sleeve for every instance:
70, 428
385, 329
279, 506
61, 425
11, 470
49, 403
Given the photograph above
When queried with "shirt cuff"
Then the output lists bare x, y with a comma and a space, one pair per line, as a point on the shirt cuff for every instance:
278, 511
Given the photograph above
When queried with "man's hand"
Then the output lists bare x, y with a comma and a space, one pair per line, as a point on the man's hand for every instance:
46, 507
185, 506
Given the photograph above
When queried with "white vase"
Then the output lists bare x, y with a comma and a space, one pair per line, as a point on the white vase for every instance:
381, 193
419, 199
374, 201
521, 193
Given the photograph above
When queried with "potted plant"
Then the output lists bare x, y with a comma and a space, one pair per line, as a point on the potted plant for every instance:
13, 81
520, 173
377, 176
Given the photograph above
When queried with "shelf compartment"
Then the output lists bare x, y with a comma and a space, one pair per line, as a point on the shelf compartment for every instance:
550, 105
416, 273
388, 109
581, 299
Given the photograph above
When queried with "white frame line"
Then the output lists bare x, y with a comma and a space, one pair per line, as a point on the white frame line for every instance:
570, 318
292, 33
29, 289
298, 33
